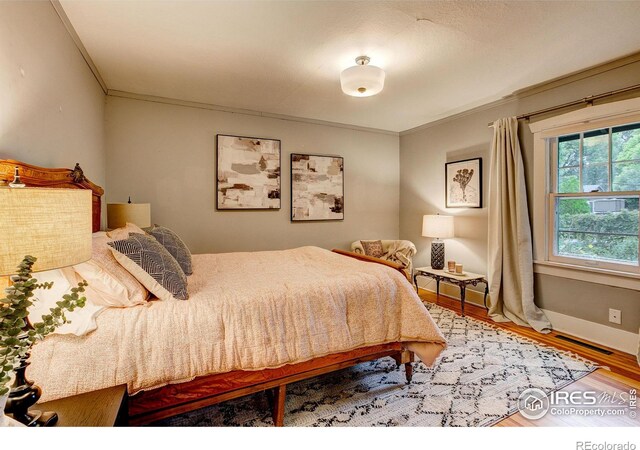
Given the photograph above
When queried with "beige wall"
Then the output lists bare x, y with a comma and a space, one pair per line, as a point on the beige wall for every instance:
165, 154
51, 106
422, 158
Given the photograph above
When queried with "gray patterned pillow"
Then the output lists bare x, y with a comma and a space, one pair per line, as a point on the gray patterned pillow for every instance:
175, 246
373, 248
152, 265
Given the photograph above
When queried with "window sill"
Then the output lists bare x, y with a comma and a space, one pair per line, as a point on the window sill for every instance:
589, 274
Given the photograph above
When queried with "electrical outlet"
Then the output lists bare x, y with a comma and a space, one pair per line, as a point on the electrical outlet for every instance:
615, 316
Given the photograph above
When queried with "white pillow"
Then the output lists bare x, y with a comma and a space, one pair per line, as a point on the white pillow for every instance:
122, 233
104, 289
81, 321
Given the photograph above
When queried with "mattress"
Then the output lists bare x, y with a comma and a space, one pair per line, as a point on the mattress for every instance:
246, 311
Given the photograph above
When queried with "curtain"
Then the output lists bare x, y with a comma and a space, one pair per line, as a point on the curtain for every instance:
510, 265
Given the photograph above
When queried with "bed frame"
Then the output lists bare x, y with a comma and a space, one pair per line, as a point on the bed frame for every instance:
152, 405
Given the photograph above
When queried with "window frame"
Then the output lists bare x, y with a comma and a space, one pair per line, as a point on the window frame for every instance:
554, 195
583, 120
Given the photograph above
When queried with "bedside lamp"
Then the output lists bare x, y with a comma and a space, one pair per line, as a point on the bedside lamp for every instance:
118, 214
54, 225
437, 227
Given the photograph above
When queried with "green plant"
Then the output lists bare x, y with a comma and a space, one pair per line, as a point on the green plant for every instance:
17, 334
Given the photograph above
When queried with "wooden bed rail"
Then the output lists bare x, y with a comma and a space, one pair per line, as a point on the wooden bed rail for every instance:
149, 406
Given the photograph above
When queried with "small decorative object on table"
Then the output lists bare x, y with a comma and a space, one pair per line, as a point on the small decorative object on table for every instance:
438, 227
462, 280
56, 225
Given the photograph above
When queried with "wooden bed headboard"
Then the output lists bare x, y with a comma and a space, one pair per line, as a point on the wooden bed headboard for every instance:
35, 176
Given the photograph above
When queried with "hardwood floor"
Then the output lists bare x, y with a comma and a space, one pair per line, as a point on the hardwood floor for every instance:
623, 374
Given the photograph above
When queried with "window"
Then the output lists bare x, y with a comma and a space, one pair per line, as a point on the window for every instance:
594, 198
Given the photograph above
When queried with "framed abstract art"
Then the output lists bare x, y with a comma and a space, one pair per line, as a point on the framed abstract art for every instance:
463, 184
248, 173
317, 187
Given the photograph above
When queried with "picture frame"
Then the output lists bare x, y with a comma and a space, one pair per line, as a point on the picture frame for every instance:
248, 173
317, 188
463, 183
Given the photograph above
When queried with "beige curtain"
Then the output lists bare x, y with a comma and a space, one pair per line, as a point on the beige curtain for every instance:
510, 262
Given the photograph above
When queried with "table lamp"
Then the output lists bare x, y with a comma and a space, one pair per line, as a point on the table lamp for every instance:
437, 227
53, 225
118, 214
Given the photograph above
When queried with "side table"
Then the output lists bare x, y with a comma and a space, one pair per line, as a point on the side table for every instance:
102, 408
462, 281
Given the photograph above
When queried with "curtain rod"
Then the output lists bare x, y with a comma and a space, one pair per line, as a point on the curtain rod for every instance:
588, 100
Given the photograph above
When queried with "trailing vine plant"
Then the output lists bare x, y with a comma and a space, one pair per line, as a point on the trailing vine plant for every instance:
17, 334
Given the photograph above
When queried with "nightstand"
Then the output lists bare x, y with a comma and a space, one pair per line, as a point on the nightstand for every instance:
102, 408
462, 281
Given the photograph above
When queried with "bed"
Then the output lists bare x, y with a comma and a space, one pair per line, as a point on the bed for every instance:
254, 321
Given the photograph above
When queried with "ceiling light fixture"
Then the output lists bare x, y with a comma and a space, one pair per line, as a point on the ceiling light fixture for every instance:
362, 80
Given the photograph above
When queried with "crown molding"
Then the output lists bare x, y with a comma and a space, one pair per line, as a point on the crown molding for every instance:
535, 89
80, 46
503, 101
578, 75
247, 112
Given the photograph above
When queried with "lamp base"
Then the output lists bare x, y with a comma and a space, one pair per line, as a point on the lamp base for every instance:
22, 396
437, 255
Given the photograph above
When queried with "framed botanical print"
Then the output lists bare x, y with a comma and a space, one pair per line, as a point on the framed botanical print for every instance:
248, 173
317, 187
463, 184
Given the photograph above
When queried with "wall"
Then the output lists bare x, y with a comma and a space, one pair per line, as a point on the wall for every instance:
423, 154
164, 154
51, 107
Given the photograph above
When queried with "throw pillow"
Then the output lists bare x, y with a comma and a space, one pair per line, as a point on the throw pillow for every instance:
101, 255
373, 248
175, 246
80, 321
152, 265
123, 233
104, 289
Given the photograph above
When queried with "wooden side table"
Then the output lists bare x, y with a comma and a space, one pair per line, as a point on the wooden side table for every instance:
102, 408
462, 281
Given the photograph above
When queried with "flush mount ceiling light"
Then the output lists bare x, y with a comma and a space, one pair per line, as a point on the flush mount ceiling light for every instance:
362, 80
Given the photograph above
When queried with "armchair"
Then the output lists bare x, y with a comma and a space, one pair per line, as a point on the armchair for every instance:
398, 251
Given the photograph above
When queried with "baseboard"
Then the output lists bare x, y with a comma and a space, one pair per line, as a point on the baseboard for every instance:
597, 333
615, 338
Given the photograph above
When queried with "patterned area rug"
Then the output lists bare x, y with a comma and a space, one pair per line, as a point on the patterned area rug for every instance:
475, 382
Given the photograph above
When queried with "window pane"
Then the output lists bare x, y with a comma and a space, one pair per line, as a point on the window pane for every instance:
598, 228
569, 151
626, 176
626, 142
595, 178
595, 147
568, 180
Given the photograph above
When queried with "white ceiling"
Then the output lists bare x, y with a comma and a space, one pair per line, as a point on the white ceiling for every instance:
285, 57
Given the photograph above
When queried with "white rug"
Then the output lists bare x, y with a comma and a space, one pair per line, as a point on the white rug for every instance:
476, 382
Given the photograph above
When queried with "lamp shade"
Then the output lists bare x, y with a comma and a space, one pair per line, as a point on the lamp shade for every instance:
362, 80
437, 226
118, 214
53, 225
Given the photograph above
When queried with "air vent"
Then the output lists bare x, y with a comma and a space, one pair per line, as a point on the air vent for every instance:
584, 344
